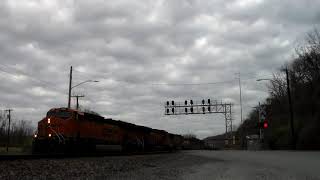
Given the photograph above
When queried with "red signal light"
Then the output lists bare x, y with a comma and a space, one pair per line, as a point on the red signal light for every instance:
265, 125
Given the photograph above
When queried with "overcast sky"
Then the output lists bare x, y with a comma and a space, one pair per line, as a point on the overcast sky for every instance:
134, 48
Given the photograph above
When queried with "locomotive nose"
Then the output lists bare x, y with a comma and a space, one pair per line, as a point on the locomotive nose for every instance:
47, 127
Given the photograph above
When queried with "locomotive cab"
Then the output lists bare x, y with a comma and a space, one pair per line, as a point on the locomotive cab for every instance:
54, 124
54, 128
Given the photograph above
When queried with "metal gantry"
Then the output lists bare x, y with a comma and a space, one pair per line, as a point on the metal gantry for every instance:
202, 107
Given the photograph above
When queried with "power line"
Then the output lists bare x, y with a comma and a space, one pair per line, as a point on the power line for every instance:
23, 73
49, 85
193, 84
177, 84
44, 83
185, 84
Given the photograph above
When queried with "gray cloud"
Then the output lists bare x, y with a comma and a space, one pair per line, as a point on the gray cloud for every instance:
132, 47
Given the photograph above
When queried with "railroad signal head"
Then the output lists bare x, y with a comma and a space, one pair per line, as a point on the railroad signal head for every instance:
265, 125
203, 109
186, 110
203, 101
185, 102
168, 111
209, 108
262, 112
209, 101
172, 102
167, 103
191, 109
191, 102
172, 110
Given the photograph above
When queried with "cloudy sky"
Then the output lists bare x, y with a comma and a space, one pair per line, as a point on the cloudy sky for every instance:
145, 53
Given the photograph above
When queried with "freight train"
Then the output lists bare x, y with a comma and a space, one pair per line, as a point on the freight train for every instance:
68, 130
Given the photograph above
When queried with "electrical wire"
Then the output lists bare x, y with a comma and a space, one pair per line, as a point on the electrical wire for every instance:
193, 84
44, 83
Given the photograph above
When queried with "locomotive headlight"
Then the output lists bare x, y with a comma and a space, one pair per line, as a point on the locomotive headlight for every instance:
49, 120
35, 135
49, 135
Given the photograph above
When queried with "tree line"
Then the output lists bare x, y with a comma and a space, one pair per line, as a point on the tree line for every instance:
20, 131
304, 76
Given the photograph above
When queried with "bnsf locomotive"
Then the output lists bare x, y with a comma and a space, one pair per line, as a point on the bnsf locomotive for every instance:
69, 130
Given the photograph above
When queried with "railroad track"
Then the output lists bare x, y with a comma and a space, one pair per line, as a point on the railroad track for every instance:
62, 156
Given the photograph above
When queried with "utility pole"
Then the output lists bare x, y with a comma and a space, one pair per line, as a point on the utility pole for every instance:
78, 96
8, 137
240, 97
293, 141
259, 121
70, 83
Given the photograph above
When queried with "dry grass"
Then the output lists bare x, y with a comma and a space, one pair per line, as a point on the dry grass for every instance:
12, 150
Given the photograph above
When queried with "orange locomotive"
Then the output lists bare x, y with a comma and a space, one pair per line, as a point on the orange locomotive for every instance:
68, 130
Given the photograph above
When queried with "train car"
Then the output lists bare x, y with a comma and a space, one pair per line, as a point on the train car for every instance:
176, 141
69, 130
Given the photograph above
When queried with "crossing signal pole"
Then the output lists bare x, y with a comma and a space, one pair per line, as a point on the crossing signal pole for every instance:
8, 135
264, 119
202, 107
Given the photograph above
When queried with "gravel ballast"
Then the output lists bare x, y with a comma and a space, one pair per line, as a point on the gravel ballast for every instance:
152, 166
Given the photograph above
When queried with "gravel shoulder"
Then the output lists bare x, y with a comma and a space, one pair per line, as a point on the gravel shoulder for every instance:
154, 166
180, 165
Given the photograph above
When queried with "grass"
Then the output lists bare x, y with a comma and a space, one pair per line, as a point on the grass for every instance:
12, 151
22, 145
15, 150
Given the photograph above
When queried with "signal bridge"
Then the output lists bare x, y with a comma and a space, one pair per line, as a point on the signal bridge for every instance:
202, 107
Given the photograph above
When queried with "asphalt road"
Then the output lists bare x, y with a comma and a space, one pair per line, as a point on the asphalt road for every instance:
256, 165
244, 165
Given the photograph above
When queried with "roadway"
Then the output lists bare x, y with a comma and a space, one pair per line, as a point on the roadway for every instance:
256, 165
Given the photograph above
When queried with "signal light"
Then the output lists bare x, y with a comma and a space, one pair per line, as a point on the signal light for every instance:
265, 125
208, 101
186, 110
203, 101
172, 110
168, 111
185, 102
49, 120
191, 102
35, 135
167, 103
191, 109
49, 135
209, 109
172, 102
203, 109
